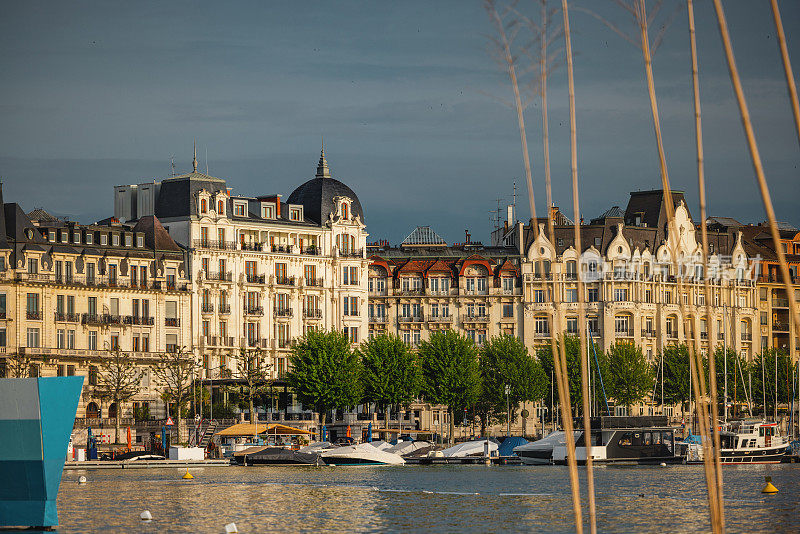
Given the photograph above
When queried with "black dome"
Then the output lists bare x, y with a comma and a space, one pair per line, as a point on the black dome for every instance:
316, 196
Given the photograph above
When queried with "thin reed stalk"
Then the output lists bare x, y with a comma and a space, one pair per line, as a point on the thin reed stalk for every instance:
756, 158
715, 507
704, 235
791, 86
573, 141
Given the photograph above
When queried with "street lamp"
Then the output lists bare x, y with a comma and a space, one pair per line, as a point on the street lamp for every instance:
508, 411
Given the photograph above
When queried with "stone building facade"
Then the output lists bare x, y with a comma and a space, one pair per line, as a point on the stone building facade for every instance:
69, 292
264, 270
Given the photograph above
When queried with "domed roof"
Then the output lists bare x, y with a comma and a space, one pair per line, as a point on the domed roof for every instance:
316, 195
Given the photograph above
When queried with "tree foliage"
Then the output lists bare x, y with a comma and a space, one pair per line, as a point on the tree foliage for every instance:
762, 371
630, 377
118, 380
18, 365
325, 373
505, 360
676, 375
252, 368
450, 373
572, 351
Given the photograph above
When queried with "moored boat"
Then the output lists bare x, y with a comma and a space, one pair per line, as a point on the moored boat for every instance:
744, 442
360, 454
540, 452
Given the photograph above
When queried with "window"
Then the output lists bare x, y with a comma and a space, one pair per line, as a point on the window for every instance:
128, 240
33, 306
115, 240
51, 236
310, 272
280, 273
294, 214
508, 284
90, 270
622, 325
350, 306
112, 274
352, 333
92, 376
268, 211
672, 327
70, 339
2, 305
33, 337
593, 294
76, 237
104, 239
140, 241
571, 294
593, 324
92, 340
61, 339
344, 210
221, 237
240, 209
541, 326
89, 238
445, 309
572, 325
92, 306
2, 338
203, 205
620, 294
538, 295
508, 310
33, 266
220, 207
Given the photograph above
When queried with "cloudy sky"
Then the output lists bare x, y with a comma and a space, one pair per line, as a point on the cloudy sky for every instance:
94, 95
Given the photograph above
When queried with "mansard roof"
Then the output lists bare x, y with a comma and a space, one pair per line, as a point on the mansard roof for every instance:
178, 195
423, 235
156, 236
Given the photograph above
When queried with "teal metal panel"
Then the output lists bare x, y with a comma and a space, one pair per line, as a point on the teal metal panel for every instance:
37, 419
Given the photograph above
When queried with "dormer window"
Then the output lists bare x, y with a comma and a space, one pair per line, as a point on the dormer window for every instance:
240, 209
140, 241
267, 211
203, 206
76, 237
51, 236
115, 240
294, 214
220, 207
89, 238
104, 239
344, 210
128, 240
64, 236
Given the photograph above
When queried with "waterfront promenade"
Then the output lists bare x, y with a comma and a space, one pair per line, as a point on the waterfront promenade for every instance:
420, 499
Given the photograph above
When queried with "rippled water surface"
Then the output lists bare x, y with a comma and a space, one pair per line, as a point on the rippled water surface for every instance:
420, 499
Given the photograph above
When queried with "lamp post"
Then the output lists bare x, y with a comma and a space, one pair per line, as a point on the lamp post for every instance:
508, 411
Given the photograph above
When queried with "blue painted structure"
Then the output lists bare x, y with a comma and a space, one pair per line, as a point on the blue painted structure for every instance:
36, 419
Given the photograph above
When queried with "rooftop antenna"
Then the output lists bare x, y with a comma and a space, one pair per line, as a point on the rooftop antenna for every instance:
194, 158
514, 203
172, 164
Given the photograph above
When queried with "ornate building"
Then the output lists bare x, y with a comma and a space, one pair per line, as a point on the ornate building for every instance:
633, 291
424, 285
264, 270
70, 292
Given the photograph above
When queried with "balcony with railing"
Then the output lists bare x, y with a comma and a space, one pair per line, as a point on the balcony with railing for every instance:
378, 319
253, 310
33, 315
778, 326
623, 332
672, 334
283, 312
283, 249
91, 319
142, 320
312, 313
541, 334
648, 332
477, 318
311, 251
223, 341
252, 247
258, 342
255, 278
214, 245
224, 309
440, 319
314, 282
63, 317
410, 318
747, 336
779, 302
206, 308
284, 280
352, 253
284, 343
172, 321
219, 276
411, 292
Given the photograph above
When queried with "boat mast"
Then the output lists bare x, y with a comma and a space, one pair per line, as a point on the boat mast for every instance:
725, 365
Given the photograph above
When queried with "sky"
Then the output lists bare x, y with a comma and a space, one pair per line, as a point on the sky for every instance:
406, 94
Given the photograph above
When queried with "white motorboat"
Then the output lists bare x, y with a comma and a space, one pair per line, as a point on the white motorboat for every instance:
470, 448
406, 447
540, 452
360, 454
316, 447
744, 442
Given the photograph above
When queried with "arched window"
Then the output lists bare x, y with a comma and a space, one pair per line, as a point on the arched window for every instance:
203, 205
92, 411
112, 410
220, 207
672, 327
623, 325
344, 210
747, 333
572, 270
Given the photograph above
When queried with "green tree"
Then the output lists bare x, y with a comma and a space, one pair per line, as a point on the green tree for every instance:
572, 351
252, 369
325, 373
118, 380
450, 374
630, 377
504, 360
676, 375
392, 376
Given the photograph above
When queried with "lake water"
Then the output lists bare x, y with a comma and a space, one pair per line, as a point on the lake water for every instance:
420, 499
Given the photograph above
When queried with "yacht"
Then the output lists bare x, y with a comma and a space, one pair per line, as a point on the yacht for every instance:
359, 454
744, 442
540, 452
476, 447
628, 440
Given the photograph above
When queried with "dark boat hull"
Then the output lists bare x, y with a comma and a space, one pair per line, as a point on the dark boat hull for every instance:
772, 455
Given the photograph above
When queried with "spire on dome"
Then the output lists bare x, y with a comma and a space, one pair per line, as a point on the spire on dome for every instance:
322, 167
194, 159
